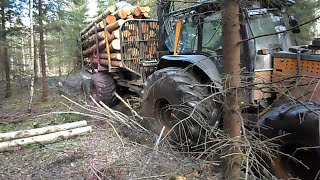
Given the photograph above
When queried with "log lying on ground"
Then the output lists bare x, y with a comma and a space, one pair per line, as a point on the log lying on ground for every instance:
103, 15
44, 138
39, 131
105, 62
100, 27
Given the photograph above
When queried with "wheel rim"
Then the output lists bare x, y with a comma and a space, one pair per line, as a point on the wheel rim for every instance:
94, 92
164, 113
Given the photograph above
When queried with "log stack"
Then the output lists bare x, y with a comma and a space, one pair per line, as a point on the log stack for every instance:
102, 35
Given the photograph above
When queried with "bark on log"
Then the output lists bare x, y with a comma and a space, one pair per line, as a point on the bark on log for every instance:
91, 49
40, 131
44, 138
114, 46
138, 17
100, 27
113, 56
101, 35
105, 62
103, 15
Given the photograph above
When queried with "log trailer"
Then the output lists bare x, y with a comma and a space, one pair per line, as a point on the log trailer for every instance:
176, 62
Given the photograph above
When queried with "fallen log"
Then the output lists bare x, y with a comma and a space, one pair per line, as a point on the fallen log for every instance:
39, 131
44, 138
103, 15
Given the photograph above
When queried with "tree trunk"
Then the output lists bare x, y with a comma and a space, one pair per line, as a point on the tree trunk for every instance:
31, 55
231, 55
35, 62
5, 52
42, 54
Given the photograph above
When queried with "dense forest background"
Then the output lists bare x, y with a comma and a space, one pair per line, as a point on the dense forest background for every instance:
58, 24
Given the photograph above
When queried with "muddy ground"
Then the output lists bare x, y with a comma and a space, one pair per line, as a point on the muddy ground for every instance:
96, 155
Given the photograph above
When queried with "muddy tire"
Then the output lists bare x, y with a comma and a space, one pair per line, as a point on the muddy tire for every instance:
301, 123
103, 88
171, 98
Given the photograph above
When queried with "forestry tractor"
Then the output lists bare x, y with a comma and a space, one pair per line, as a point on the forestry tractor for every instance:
175, 64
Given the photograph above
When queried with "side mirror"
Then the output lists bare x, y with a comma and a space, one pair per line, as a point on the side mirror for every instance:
294, 22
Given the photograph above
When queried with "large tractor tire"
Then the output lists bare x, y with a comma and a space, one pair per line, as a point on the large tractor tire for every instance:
299, 123
103, 88
174, 99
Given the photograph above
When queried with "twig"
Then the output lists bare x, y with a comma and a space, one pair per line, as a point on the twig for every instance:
280, 32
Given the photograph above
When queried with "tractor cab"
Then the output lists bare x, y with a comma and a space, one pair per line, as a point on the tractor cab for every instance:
268, 51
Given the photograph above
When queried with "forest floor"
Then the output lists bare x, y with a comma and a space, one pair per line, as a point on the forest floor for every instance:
99, 154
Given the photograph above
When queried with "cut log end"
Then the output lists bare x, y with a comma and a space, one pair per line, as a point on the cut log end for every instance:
115, 44
122, 13
136, 11
111, 19
112, 9
145, 9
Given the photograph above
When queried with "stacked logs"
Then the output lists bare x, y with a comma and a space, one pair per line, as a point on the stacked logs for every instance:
107, 34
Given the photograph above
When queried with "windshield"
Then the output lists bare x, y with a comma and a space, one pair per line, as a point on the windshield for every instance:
267, 23
212, 34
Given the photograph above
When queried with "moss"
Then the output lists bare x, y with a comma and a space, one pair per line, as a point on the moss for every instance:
6, 127
66, 118
33, 145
